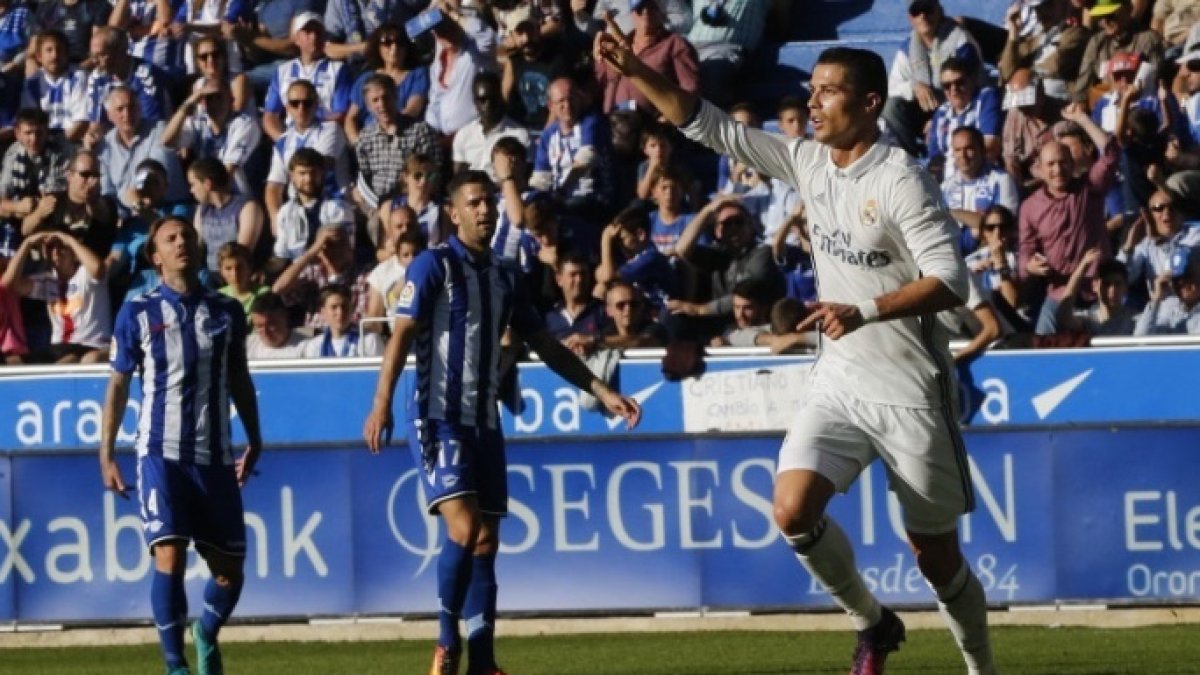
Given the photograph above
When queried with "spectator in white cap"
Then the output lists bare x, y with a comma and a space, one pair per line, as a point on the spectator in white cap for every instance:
332, 79
297, 222
1189, 76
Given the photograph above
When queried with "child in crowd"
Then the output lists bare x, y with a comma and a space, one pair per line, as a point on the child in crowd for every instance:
236, 268
341, 338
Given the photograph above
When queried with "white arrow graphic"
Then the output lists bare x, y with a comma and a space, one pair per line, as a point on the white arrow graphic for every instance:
1045, 402
640, 397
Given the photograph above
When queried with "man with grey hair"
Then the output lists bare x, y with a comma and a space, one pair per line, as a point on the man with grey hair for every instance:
132, 140
112, 65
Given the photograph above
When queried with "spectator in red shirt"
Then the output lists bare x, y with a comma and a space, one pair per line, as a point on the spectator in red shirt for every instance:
667, 53
1065, 218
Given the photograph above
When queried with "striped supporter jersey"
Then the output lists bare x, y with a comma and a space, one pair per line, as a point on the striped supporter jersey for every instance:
183, 345
462, 306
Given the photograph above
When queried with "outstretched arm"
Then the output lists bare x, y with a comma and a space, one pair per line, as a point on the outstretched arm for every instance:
568, 366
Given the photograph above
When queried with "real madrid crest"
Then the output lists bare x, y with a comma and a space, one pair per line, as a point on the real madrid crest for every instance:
869, 214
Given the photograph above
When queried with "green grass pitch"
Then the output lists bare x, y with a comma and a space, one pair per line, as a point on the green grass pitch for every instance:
1020, 651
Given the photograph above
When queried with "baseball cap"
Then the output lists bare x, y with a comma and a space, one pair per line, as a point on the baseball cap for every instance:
1191, 48
520, 15
1124, 62
1105, 7
303, 19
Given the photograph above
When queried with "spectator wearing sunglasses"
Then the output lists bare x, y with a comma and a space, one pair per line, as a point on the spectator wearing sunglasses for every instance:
331, 79
966, 105
389, 52
915, 88
629, 324
1149, 246
305, 130
81, 211
212, 64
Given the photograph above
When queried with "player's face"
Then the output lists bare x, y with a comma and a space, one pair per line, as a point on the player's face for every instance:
176, 248
1058, 168
473, 210
968, 156
745, 312
838, 115
792, 122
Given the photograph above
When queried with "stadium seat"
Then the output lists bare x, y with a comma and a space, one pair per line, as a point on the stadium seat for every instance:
833, 19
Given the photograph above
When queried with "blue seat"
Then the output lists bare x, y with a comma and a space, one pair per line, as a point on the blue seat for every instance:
832, 19
800, 57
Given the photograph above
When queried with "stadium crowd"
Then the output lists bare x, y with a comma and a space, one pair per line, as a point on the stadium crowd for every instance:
310, 140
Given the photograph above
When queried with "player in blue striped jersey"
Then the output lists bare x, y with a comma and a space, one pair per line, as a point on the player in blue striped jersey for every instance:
189, 345
455, 305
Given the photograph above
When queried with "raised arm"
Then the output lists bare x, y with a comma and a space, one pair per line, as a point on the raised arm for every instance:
13, 279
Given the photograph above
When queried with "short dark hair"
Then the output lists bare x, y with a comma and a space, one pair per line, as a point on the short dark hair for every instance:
1112, 268
384, 82
633, 219
233, 249
34, 116
792, 103
958, 65
510, 146
750, 289
865, 70
468, 177
331, 290
211, 169
785, 314
303, 84
268, 303
158, 225
668, 172
539, 214
975, 134
572, 258
489, 77
743, 106
308, 158
52, 34
415, 238
658, 132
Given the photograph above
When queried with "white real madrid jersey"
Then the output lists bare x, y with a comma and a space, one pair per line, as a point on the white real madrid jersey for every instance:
875, 226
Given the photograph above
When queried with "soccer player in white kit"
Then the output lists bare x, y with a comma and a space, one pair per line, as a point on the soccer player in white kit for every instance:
882, 387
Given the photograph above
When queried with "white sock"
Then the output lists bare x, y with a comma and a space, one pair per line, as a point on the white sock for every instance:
827, 555
964, 607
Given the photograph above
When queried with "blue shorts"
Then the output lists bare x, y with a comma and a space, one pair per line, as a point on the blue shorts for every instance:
191, 502
456, 461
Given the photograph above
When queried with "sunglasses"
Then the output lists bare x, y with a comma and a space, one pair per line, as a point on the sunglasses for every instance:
627, 304
301, 102
992, 226
205, 56
1161, 206
388, 42
960, 83
90, 175
732, 221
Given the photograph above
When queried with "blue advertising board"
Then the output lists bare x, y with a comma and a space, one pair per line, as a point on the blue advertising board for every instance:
605, 525
326, 404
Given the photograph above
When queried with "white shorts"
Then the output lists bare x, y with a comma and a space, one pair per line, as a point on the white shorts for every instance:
838, 435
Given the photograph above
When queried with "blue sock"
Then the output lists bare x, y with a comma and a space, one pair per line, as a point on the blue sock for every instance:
480, 612
219, 602
168, 602
454, 576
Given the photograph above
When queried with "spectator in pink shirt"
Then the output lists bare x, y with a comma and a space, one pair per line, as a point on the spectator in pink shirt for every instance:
667, 53
1062, 220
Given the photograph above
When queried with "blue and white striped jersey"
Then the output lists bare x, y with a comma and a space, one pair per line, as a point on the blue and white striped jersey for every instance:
146, 80
462, 306
183, 345
332, 80
64, 99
